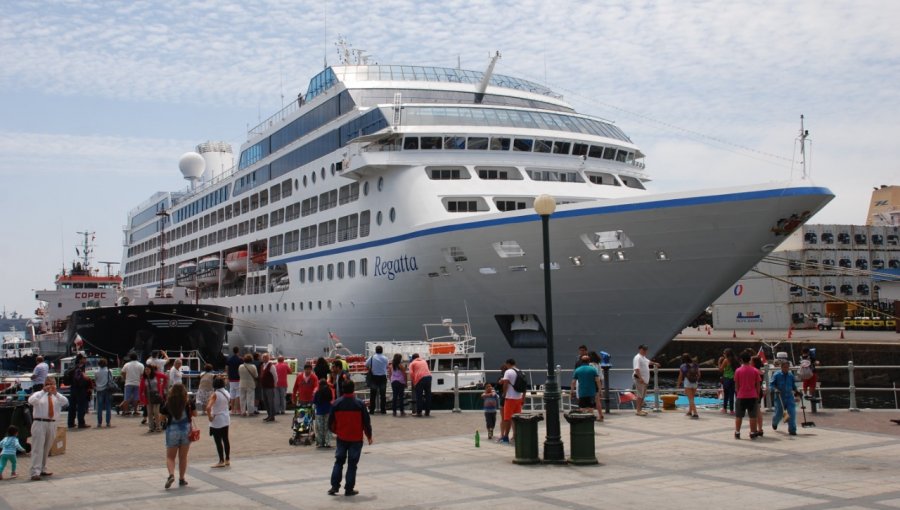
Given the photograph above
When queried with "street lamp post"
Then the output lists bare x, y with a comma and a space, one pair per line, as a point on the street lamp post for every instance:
544, 205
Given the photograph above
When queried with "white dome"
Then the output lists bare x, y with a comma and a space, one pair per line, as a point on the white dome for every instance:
191, 165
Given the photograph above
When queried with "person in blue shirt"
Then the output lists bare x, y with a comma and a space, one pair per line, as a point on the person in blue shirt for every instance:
377, 365
10, 446
586, 382
784, 387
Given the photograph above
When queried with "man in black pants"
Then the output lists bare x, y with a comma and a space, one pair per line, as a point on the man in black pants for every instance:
377, 365
349, 421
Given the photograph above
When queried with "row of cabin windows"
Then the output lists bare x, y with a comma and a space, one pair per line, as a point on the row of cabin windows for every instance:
600, 178
324, 272
844, 238
345, 228
283, 307
523, 144
344, 195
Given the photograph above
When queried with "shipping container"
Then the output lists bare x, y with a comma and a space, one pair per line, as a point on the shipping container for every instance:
754, 316
756, 290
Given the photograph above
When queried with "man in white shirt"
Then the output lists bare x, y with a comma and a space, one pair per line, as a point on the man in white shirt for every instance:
132, 373
46, 406
512, 401
175, 373
641, 367
39, 375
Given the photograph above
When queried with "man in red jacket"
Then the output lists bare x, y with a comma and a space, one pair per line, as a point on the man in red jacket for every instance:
349, 420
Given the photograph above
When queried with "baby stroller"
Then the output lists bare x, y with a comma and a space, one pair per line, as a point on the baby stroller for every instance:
303, 426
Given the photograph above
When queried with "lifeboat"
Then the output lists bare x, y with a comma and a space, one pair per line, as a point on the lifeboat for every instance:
208, 270
260, 258
186, 275
237, 261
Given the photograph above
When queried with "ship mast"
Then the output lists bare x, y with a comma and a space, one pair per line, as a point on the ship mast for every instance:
86, 250
804, 133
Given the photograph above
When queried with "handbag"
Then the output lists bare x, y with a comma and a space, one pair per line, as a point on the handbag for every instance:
194, 434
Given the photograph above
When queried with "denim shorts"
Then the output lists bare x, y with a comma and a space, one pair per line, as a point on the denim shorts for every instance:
177, 434
131, 393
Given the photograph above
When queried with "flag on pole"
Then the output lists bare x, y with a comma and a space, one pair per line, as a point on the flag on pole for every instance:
762, 356
333, 337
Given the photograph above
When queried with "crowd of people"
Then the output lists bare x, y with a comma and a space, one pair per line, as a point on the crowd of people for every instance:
252, 382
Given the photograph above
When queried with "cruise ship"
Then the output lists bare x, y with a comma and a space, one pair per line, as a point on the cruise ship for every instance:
389, 196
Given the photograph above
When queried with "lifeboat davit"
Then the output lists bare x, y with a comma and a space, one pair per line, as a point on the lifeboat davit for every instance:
208, 270
237, 261
187, 274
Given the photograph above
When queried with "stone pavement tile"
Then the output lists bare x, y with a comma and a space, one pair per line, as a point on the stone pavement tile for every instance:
894, 503
505, 502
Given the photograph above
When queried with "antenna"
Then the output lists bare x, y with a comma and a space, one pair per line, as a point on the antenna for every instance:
86, 249
325, 37
804, 133
109, 265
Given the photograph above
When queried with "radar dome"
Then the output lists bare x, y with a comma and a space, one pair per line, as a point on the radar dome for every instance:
192, 166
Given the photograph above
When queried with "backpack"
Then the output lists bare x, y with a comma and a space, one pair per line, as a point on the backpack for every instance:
521, 384
806, 371
68, 377
692, 374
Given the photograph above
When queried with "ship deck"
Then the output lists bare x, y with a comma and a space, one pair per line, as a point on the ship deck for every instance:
660, 461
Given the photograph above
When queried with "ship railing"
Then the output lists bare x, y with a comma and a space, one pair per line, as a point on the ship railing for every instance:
663, 383
279, 116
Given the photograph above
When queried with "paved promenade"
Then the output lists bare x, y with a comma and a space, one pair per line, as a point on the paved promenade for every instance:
664, 460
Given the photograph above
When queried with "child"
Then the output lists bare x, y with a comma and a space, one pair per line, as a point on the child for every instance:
10, 445
322, 400
491, 401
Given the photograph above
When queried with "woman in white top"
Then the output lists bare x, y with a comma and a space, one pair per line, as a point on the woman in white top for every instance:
219, 421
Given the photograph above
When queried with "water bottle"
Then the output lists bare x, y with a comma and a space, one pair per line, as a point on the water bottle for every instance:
477, 439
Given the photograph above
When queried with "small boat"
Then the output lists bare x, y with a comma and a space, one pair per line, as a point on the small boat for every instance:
187, 274
17, 353
446, 345
208, 270
237, 261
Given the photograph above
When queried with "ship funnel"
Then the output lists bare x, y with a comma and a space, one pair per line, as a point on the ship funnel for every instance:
219, 159
192, 166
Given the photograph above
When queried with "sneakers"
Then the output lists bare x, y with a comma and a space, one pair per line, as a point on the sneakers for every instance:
503, 440
774, 426
695, 416
641, 413
182, 482
792, 433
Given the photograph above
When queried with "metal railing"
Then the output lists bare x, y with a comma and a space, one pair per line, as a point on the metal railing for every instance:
612, 397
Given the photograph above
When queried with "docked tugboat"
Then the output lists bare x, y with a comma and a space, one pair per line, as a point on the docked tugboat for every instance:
144, 320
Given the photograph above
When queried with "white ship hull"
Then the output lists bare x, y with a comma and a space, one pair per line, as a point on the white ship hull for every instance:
709, 240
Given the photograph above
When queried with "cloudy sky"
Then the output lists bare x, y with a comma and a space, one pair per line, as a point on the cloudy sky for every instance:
99, 100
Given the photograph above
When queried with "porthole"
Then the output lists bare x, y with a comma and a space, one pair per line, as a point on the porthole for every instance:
323, 173
329, 304
332, 169
320, 305
293, 307
296, 184
392, 215
366, 189
380, 183
309, 305
301, 306
304, 181
313, 177
378, 218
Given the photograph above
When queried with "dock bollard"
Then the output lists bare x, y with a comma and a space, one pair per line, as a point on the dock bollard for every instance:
526, 438
852, 387
581, 436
